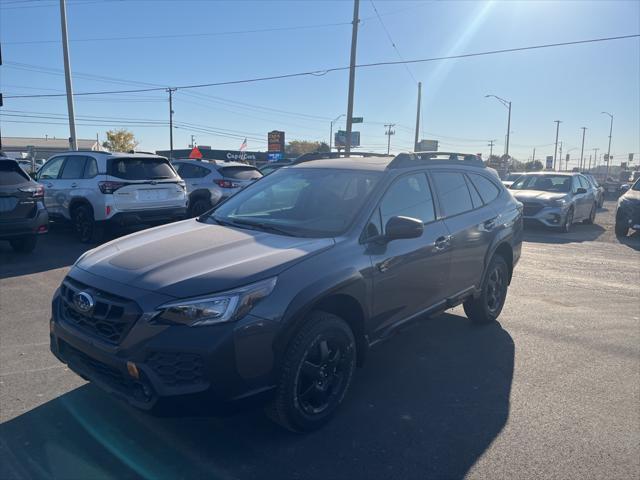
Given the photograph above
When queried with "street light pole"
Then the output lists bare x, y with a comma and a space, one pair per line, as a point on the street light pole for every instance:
352, 74
584, 129
609, 149
555, 152
171, 90
67, 77
507, 104
331, 130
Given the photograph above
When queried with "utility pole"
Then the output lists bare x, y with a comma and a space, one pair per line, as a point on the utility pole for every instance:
388, 133
73, 140
589, 169
415, 142
609, 149
171, 90
560, 163
491, 148
595, 157
584, 129
555, 152
193, 138
534, 155
352, 74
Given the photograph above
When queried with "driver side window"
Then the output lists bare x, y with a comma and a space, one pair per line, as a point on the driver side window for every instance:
409, 196
51, 169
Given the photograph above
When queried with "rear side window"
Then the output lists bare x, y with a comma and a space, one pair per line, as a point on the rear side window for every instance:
240, 173
51, 169
73, 167
140, 168
90, 168
486, 188
187, 170
11, 174
453, 193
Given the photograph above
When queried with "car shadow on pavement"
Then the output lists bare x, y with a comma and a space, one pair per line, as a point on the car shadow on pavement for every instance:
427, 404
632, 241
579, 233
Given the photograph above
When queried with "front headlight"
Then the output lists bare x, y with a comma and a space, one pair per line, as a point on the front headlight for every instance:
561, 202
218, 308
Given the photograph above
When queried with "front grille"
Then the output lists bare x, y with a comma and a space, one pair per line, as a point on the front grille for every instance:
530, 208
175, 368
110, 319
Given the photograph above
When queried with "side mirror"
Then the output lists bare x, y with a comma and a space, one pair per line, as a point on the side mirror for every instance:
403, 227
581, 190
624, 187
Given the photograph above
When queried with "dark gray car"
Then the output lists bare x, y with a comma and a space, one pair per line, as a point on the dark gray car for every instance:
278, 293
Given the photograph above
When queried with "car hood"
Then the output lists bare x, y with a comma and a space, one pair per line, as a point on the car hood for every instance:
632, 195
537, 195
189, 258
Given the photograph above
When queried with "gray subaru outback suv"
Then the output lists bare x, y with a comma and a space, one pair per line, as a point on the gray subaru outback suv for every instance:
277, 294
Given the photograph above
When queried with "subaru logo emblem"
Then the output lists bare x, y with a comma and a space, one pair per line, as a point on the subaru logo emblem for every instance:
83, 302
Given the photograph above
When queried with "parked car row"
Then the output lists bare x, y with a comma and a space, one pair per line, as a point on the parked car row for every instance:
94, 189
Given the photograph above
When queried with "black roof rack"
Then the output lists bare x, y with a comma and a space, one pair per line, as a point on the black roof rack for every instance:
403, 160
307, 157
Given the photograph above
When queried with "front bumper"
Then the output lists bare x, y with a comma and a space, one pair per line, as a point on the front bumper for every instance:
628, 213
177, 370
38, 224
548, 216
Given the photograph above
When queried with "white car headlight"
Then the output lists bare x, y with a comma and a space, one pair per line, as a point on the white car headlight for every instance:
217, 308
561, 202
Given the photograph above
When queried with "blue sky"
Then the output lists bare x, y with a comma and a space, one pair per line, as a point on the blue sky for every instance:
573, 84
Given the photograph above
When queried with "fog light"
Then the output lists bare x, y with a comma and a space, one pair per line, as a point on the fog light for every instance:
133, 370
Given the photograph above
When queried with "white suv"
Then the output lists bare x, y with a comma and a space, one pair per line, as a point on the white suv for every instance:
93, 188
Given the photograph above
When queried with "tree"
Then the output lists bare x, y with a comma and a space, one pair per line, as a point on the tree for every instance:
533, 166
300, 147
120, 141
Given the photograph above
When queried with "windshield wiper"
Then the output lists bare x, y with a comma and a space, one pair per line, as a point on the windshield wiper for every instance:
267, 227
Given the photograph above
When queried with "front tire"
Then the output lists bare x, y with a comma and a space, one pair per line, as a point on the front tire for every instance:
199, 206
568, 221
24, 244
487, 307
316, 374
87, 229
621, 228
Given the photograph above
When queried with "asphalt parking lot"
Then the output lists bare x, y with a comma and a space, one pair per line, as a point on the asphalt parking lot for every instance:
552, 391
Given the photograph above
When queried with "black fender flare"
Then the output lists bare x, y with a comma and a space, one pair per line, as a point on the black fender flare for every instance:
347, 282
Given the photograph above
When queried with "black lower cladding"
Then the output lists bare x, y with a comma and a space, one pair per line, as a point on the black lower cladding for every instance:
110, 319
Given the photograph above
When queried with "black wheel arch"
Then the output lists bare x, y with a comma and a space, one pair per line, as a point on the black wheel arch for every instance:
342, 294
79, 202
502, 245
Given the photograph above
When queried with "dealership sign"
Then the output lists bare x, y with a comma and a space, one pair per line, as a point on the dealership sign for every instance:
275, 140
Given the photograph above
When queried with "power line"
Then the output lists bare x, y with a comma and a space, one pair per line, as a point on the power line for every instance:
336, 69
393, 44
185, 35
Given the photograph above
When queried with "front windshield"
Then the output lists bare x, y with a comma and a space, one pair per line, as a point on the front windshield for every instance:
513, 177
543, 183
300, 202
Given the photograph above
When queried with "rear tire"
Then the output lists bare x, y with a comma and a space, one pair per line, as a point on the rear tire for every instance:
87, 229
200, 205
487, 307
592, 215
24, 244
315, 375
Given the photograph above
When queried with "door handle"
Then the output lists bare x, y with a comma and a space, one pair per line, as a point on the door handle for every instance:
74, 185
442, 242
47, 184
490, 224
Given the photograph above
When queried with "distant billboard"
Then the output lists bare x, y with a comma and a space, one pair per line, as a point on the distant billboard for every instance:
549, 164
428, 146
340, 139
275, 140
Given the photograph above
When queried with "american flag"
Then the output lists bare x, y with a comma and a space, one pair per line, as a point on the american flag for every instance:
243, 147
